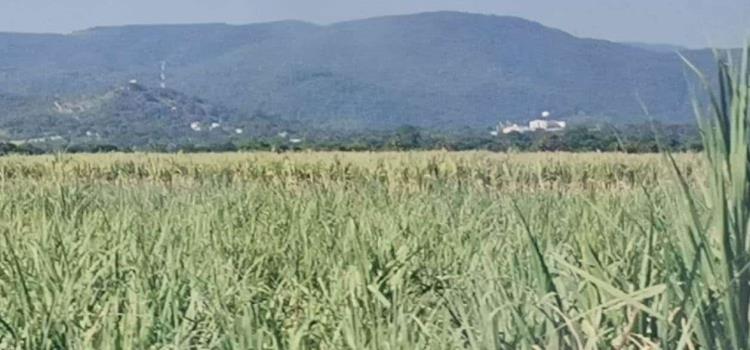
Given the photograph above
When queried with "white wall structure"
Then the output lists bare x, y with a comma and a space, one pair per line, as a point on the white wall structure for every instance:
515, 128
547, 125
543, 124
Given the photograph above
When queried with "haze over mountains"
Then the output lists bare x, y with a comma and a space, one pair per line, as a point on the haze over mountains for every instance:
440, 70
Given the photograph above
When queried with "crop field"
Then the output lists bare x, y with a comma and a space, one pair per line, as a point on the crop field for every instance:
391, 251
427, 250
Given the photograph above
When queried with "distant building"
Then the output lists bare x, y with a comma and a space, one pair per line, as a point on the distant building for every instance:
543, 124
515, 128
196, 126
547, 125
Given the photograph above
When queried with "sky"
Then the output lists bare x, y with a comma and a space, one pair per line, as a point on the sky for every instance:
691, 23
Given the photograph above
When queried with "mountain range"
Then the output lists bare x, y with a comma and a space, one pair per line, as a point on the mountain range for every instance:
436, 70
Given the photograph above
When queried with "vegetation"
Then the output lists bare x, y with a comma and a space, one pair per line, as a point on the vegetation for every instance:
437, 250
420, 250
361, 75
639, 138
342, 250
133, 115
712, 258
9, 148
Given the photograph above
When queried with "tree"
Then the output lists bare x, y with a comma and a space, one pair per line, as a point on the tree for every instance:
406, 137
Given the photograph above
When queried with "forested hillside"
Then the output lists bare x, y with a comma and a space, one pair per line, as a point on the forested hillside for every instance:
437, 70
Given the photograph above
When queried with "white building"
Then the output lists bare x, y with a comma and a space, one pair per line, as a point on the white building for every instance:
196, 126
547, 125
515, 128
543, 124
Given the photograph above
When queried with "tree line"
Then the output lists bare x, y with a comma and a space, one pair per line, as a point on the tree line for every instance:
639, 138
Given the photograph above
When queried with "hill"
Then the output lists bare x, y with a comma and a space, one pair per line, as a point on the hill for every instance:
442, 70
663, 48
131, 115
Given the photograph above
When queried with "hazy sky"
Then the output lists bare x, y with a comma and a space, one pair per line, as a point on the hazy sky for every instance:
694, 23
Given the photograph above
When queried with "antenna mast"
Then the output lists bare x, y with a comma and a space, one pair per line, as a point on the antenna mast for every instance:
163, 75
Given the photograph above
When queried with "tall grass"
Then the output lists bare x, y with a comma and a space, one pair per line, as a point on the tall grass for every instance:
714, 250
267, 252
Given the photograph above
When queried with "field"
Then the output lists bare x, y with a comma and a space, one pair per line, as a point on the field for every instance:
430, 250
424, 250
